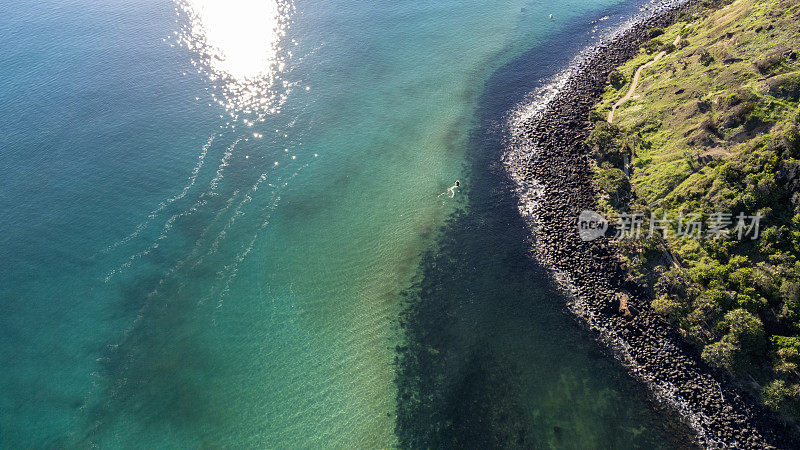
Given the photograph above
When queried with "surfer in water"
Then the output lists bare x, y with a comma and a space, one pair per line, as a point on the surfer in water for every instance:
453, 188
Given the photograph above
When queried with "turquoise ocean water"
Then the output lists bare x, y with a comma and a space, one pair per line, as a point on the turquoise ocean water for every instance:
228, 224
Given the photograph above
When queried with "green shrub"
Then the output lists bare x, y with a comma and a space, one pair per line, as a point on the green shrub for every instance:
785, 342
675, 283
707, 271
739, 261
605, 144
721, 354
719, 248
750, 301
795, 237
742, 343
685, 16
781, 396
790, 140
670, 308
697, 334
616, 78
722, 299
741, 278
615, 183
596, 116
653, 46
746, 330
655, 32
732, 173
787, 360
705, 57
790, 291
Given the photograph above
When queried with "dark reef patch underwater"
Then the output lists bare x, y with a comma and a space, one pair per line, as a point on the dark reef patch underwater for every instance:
483, 321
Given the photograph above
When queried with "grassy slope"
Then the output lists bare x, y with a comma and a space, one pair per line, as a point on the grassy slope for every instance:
713, 127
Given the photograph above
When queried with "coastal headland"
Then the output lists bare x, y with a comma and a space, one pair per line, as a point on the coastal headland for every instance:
553, 170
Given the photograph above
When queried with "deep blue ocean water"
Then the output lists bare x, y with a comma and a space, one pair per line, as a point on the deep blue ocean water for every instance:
229, 224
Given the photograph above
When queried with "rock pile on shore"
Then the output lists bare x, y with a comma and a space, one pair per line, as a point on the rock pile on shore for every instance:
551, 166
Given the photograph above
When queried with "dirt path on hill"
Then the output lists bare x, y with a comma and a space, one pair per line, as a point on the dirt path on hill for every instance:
635, 82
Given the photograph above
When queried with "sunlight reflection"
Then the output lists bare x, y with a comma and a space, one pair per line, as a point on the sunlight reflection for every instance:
237, 45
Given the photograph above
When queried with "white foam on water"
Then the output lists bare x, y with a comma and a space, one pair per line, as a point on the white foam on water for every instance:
248, 197
230, 272
221, 168
163, 205
200, 202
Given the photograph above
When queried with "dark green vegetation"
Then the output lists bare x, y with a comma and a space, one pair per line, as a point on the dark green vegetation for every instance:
713, 128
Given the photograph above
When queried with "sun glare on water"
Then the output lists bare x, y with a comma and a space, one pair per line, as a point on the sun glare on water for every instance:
237, 45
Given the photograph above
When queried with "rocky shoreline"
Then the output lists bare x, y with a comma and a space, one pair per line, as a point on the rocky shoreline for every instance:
551, 167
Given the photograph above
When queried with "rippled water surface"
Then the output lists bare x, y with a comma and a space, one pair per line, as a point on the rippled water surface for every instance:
228, 223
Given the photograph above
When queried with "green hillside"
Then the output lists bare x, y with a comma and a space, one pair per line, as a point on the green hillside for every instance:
713, 128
